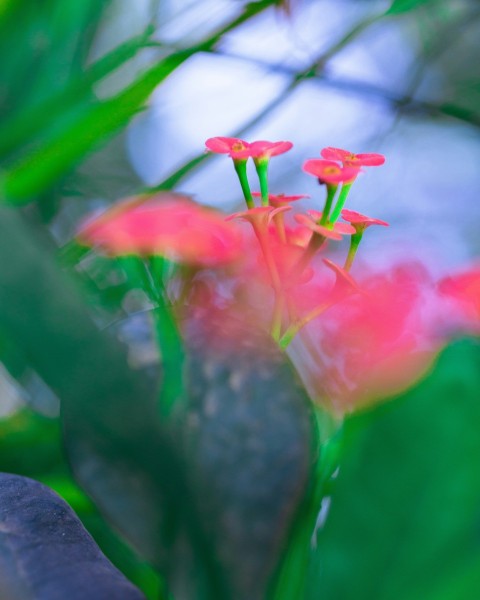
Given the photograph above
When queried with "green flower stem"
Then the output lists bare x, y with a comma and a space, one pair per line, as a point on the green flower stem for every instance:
342, 197
331, 191
261, 166
354, 244
280, 226
166, 331
276, 283
277, 316
290, 580
241, 170
315, 243
292, 331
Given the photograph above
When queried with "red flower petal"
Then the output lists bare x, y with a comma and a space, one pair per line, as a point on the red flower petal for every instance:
351, 159
264, 149
328, 171
331, 234
167, 224
356, 218
234, 147
280, 199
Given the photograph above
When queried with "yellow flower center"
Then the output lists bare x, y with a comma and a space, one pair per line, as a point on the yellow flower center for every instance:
332, 170
238, 147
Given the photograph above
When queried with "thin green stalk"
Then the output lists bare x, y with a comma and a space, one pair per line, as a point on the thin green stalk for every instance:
315, 243
166, 332
241, 170
342, 197
331, 191
277, 316
354, 243
276, 283
262, 171
292, 331
291, 578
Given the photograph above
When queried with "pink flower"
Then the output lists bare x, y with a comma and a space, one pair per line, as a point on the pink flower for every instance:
265, 150
240, 149
350, 159
377, 342
344, 281
280, 199
234, 147
164, 224
335, 233
360, 222
464, 290
260, 217
328, 171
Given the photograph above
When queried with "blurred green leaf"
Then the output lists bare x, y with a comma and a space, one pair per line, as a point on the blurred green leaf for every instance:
402, 6
39, 170
404, 520
118, 448
28, 123
31, 445
45, 551
43, 44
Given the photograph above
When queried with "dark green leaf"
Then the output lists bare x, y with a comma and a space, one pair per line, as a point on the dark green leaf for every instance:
403, 6
405, 513
46, 553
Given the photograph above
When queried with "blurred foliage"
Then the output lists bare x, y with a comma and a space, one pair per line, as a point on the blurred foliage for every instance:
404, 515
52, 124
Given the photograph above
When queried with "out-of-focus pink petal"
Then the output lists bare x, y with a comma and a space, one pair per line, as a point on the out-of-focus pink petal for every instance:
164, 224
328, 171
352, 159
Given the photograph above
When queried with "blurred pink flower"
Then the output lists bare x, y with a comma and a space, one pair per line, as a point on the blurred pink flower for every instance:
377, 342
334, 233
349, 159
260, 216
328, 171
280, 199
240, 149
164, 224
360, 222
464, 290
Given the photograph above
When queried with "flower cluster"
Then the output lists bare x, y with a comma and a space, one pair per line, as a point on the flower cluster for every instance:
362, 333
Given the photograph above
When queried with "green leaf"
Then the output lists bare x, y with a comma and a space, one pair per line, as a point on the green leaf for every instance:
45, 551
39, 170
405, 512
28, 123
403, 6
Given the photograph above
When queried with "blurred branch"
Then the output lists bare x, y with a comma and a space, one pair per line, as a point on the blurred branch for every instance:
405, 102
316, 72
296, 78
24, 126
42, 168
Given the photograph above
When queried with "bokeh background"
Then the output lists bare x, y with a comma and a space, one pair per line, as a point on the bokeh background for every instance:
85, 119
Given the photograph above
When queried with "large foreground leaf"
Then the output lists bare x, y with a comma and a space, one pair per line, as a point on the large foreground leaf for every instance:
45, 553
207, 497
405, 513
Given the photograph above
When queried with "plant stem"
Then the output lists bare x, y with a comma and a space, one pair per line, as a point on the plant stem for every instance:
331, 191
291, 578
315, 243
354, 243
292, 331
166, 332
276, 283
261, 166
241, 170
342, 197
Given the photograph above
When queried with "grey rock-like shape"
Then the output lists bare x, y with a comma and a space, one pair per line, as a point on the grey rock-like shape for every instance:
46, 553
247, 433
209, 495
